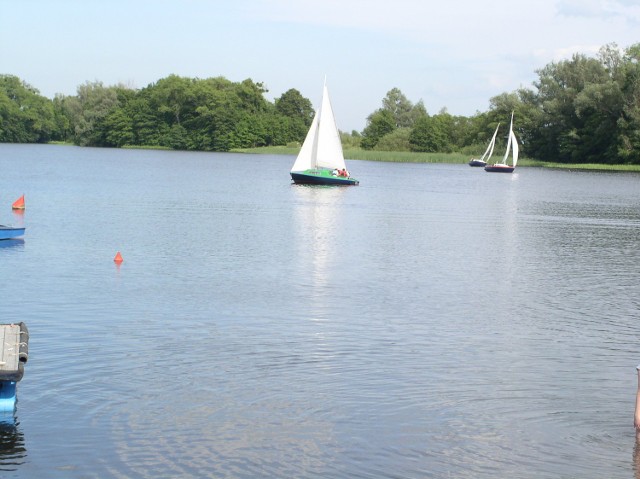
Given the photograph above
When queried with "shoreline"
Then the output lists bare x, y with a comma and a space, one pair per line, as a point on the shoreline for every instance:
450, 158
412, 157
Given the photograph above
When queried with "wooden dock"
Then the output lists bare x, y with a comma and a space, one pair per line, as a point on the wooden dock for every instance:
14, 341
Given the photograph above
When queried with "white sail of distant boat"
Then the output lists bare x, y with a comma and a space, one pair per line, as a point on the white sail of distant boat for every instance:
508, 150
321, 152
514, 145
492, 144
512, 148
486, 156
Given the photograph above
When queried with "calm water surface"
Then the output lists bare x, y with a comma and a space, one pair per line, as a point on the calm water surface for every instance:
435, 321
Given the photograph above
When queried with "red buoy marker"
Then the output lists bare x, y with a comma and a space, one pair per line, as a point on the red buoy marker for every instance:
18, 204
118, 259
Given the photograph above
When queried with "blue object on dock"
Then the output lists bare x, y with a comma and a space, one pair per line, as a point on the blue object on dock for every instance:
14, 347
7, 395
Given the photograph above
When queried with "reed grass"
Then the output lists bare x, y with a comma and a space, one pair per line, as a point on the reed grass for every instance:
404, 156
580, 166
369, 155
143, 147
269, 150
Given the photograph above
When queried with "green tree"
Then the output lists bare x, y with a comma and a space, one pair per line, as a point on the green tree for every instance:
429, 135
294, 105
87, 110
628, 144
379, 124
25, 115
397, 140
350, 140
118, 128
564, 136
174, 98
403, 111
396, 103
62, 131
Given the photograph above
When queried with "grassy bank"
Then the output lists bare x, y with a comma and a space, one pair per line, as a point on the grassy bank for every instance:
580, 166
369, 155
455, 158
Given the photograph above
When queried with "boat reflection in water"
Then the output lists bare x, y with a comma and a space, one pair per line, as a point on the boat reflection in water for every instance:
10, 243
318, 222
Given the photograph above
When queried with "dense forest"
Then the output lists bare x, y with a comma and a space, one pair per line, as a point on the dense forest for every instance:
582, 110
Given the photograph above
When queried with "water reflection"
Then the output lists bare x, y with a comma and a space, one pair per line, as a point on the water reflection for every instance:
318, 220
323, 332
11, 243
13, 451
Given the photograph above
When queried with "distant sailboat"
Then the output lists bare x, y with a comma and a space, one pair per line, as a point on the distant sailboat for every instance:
512, 147
488, 152
321, 161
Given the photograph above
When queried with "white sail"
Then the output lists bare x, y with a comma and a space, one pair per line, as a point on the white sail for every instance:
306, 157
514, 143
329, 151
322, 147
491, 145
508, 150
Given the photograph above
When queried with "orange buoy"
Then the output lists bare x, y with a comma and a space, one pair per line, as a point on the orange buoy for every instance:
18, 204
118, 259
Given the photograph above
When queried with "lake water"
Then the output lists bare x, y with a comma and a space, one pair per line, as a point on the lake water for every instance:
435, 321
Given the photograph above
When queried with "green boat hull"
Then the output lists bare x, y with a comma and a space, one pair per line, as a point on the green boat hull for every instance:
320, 176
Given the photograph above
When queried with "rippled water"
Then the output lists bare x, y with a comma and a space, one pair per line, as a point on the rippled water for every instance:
435, 321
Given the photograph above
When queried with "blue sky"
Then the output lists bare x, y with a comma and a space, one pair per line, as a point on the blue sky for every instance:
455, 54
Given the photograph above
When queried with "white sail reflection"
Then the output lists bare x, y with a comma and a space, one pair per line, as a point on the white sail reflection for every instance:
317, 223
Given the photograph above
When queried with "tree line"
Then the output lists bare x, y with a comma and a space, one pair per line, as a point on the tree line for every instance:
581, 110
211, 114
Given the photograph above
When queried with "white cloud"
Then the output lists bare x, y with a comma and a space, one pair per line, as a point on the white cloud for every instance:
406, 17
629, 10
566, 53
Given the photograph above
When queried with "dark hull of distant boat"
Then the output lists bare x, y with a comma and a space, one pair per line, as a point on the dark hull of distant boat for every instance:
477, 163
499, 169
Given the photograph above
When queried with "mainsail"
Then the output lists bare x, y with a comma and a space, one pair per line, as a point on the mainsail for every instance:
516, 149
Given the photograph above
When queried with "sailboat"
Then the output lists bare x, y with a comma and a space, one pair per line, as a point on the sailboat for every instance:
321, 161
487, 153
512, 147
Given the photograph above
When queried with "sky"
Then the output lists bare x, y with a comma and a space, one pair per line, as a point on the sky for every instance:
453, 54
